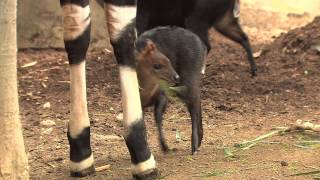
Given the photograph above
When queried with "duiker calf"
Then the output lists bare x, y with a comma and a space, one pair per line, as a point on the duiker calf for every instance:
173, 55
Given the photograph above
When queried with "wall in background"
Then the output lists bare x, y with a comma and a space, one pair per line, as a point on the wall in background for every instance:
287, 6
39, 25
39, 21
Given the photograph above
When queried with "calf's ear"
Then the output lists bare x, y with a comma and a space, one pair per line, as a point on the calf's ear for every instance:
150, 47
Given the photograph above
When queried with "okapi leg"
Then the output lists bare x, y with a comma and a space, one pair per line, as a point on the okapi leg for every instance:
76, 23
122, 39
229, 26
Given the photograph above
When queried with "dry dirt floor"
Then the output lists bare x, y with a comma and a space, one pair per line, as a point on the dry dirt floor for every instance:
236, 108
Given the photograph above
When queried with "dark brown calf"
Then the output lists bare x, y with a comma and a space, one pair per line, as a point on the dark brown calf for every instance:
154, 68
161, 53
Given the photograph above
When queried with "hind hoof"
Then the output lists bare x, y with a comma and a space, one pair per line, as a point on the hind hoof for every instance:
253, 73
165, 148
83, 173
151, 174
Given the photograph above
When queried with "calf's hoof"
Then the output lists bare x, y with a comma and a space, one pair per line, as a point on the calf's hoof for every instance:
165, 148
148, 175
83, 173
195, 148
195, 151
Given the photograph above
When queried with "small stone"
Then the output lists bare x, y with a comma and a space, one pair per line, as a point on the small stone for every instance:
283, 163
47, 131
44, 85
107, 137
119, 117
257, 54
29, 64
47, 123
47, 105
178, 136
107, 51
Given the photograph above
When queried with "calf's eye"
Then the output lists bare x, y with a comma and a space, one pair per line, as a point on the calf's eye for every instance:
157, 66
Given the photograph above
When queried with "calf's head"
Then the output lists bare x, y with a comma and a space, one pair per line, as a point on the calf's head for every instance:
154, 64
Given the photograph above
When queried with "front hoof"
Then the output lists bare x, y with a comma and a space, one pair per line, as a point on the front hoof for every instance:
151, 174
194, 153
83, 173
195, 150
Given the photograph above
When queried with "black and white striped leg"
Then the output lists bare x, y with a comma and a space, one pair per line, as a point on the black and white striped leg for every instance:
143, 163
76, 23
122, 39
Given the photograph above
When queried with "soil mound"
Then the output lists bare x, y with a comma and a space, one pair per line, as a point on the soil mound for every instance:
300, 40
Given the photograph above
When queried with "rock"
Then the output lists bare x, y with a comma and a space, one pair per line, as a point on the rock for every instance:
47, 123
47, 105
47, 131
257, 54
107, 137
284, 163
119, 117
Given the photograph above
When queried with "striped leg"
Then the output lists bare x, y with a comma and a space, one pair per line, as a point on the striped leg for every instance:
76, 23
122, 38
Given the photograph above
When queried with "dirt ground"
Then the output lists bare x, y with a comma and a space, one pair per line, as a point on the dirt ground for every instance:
235, 107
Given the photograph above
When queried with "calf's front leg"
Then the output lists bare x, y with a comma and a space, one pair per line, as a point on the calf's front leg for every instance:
159, 108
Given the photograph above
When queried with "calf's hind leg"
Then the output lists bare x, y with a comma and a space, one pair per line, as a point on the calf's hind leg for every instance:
194, 108
193, 102
76, 23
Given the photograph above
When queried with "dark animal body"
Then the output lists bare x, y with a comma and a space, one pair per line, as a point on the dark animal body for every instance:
195, 15
198, 16
186, 53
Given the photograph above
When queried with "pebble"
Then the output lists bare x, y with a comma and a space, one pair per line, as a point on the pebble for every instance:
47, 105
119, 117
284, 163
47, 131
47, 123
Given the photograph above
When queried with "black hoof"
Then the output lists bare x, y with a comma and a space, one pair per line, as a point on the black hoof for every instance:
152, 174
83, 173
165, 148
170, 150
195, 150
254, 73
194, 153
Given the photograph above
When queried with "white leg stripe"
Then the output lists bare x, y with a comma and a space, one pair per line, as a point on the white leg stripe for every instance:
144, 166
236, 9
75, 20
79, 112
84, 164
203, 69
118, 17
131, 104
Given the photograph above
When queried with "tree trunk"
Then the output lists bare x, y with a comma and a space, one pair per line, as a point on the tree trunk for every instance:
13, 159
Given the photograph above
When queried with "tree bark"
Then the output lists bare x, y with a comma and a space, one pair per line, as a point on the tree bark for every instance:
13, 159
